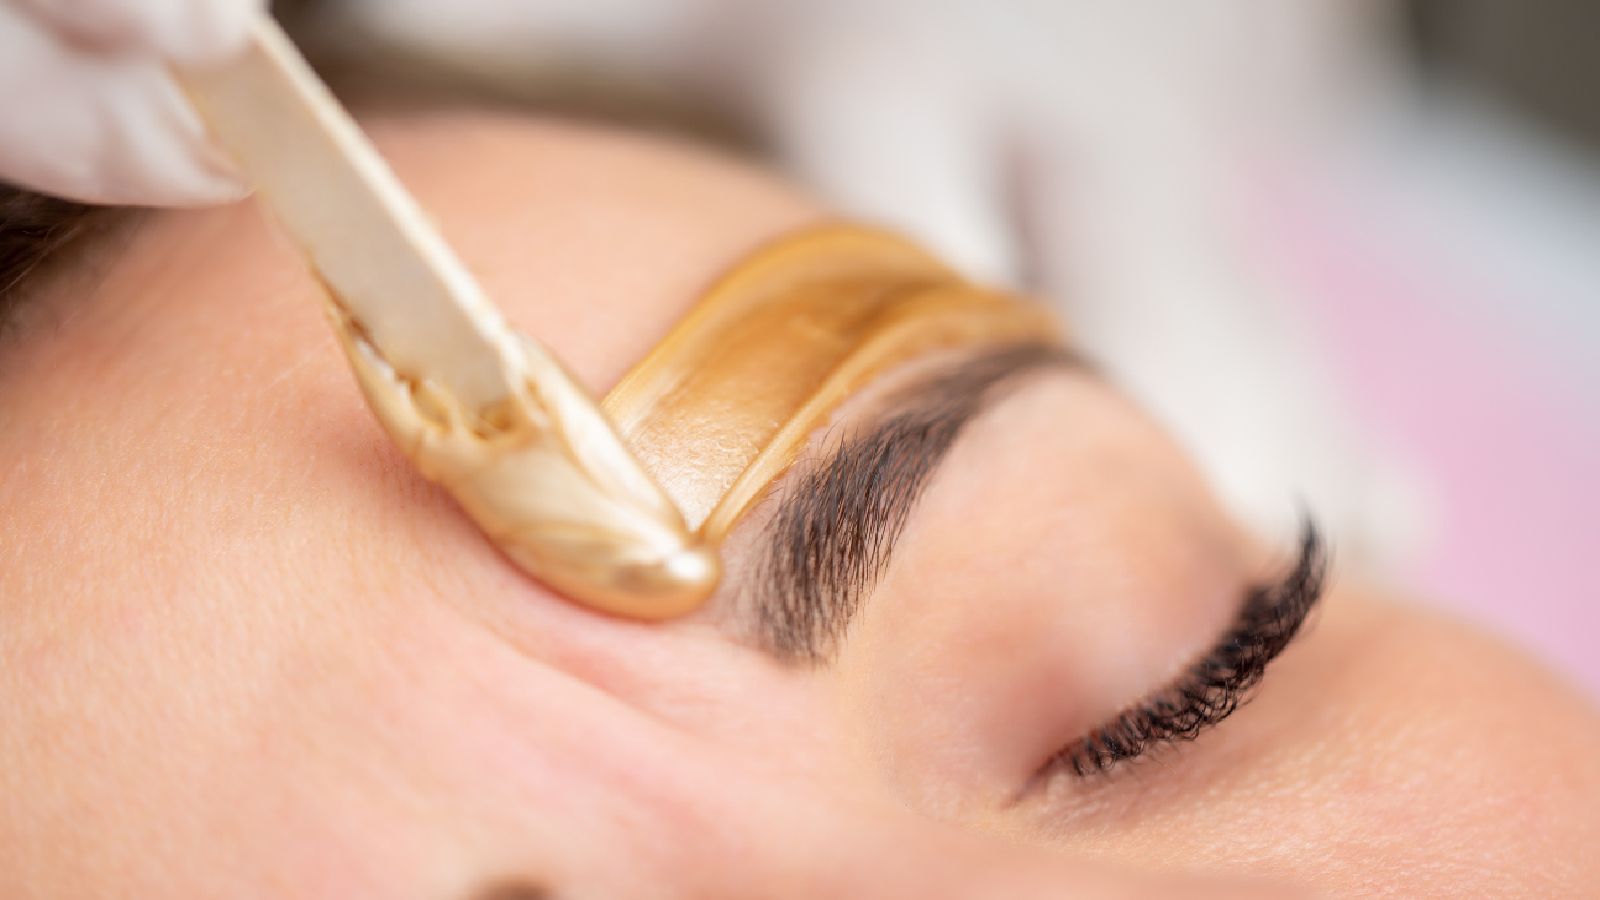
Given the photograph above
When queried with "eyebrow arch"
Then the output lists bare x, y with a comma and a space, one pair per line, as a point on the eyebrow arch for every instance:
838, 519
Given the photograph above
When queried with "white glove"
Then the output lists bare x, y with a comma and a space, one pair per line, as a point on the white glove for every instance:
89, 110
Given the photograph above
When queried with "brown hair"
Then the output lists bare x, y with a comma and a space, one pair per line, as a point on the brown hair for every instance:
36, 233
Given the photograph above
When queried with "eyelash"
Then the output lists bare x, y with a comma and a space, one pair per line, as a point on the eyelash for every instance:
1217, 684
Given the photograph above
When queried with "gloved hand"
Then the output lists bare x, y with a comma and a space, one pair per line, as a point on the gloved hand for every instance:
89, 110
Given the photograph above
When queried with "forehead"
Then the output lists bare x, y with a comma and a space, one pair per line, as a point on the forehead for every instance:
191, 374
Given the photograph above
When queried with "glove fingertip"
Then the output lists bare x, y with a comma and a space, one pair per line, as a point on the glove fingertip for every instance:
166, 196
212, 192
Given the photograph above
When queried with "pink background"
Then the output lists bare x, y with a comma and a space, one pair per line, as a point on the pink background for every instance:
1481, 372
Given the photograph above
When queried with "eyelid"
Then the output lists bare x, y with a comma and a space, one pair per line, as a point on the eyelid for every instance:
1214, 686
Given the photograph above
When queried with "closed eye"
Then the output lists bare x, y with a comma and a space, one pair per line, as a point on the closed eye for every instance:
1211, 688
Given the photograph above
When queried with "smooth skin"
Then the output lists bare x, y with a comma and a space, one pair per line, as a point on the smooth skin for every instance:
248, 652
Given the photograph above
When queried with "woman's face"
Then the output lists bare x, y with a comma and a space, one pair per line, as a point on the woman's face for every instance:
249, 652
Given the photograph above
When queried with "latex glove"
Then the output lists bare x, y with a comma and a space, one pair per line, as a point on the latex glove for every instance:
90, 111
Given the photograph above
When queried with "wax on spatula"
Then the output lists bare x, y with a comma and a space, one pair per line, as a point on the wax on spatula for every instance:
481, 409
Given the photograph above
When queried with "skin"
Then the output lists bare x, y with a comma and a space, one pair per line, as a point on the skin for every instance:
248, 652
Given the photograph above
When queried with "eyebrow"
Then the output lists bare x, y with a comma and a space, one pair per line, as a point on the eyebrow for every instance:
838, 519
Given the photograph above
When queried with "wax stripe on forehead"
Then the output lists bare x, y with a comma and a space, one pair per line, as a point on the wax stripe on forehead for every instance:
721, 407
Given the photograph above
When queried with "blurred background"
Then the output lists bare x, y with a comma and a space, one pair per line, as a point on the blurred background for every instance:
1349, 250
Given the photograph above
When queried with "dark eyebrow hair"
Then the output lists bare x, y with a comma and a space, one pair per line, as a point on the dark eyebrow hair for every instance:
838, 518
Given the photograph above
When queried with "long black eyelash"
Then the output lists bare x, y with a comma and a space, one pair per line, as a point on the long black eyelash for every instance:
1219, 682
